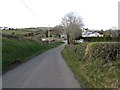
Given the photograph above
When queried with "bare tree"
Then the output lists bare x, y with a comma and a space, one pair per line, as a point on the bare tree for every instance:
112, 33
73, 26
58, 30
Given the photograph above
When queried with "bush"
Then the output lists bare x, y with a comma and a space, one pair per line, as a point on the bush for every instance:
96, 65
103, 51
91, 51
101, 39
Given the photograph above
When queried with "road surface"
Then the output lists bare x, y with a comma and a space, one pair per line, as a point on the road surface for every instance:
47, 70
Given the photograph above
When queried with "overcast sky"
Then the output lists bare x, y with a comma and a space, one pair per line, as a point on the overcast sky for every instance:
96, 14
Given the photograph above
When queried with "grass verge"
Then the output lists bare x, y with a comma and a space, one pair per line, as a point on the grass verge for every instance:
91, 73
16, 51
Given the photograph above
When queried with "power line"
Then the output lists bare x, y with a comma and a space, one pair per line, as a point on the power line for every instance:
29, 8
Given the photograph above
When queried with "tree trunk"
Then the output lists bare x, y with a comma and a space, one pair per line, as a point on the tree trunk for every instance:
68, 39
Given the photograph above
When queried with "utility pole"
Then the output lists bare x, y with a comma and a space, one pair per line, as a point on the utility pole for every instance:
49, 33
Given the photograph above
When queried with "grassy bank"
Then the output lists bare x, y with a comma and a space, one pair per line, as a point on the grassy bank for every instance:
18, 51
14, 31
96, 65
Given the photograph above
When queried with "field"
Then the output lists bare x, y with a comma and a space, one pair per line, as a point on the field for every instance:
24, 30
96, 65
19, 31
29, 33
14, 31
19, 51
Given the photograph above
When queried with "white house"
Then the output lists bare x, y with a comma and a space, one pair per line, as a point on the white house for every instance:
96, 34
91, 34
63, 36
4, 28
1, 28
86, 33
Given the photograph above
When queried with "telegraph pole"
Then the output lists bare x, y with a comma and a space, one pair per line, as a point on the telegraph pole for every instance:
49, 32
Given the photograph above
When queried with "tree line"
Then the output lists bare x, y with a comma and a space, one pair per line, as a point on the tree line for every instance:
72, 25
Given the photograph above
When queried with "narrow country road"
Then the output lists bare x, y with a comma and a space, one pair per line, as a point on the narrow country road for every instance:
47, 70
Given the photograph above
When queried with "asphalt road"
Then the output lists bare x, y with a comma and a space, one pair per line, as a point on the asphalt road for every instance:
47, 70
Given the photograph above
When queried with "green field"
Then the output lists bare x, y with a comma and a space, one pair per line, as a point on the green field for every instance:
14, 50
90, 68
14, 31
20, 31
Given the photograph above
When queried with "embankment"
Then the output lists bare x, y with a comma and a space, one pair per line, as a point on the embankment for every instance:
17, 51
95, 64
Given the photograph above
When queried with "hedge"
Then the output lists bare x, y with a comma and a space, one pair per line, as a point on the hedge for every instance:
96, 65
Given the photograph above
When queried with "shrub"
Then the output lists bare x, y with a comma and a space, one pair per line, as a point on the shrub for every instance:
90, 51
101, 39
96, 65
104, 51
